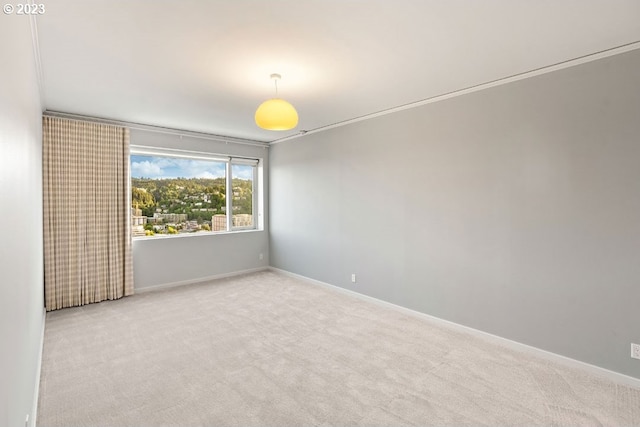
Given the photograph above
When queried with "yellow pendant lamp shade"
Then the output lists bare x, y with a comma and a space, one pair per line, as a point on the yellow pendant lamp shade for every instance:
276, 113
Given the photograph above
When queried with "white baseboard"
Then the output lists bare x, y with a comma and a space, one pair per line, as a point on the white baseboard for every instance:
513, 345
198, 280
36, 388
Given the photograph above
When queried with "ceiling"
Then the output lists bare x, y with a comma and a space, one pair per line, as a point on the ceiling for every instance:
204, 65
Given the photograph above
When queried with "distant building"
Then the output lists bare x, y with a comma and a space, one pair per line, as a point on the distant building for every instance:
191, 226
242, 220
170, 217
137, 222
219, 221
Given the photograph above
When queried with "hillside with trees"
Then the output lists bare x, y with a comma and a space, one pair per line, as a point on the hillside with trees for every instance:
198, 198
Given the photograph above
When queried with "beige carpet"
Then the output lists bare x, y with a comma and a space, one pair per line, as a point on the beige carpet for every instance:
269, 350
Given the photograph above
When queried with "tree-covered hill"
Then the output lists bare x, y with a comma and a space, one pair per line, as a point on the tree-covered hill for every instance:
199, 198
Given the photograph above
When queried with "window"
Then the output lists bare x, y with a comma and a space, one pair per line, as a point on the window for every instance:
175, 192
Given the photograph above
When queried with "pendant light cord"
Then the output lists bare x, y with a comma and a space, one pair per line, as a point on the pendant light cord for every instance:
276, 77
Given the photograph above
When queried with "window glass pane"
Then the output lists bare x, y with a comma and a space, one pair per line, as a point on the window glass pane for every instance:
172, 195
242, 200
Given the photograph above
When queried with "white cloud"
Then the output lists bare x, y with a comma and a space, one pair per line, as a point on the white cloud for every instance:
206, 174
167, 167
242, 171
204, 169
145, 169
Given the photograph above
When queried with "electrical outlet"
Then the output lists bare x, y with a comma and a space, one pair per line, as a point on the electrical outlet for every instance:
353, 278
635, 351
261, 256
26, 421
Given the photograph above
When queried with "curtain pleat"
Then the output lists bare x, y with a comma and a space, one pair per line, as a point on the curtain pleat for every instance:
87, 227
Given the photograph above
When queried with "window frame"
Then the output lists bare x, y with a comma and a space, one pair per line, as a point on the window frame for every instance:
229, 161
254, 198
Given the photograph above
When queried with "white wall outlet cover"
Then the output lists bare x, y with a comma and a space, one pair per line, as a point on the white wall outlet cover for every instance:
635, 351
353, 278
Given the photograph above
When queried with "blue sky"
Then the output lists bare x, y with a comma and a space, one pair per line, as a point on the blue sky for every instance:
172, 167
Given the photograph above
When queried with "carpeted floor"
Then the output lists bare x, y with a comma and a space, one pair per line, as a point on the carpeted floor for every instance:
269, 350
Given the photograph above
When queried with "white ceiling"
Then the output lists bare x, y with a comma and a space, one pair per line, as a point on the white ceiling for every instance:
204, 65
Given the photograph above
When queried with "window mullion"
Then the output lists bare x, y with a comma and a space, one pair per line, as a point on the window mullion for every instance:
254, 197
229, 197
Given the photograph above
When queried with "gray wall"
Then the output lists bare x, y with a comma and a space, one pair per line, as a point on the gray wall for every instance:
514, 210
21, 289
167, 260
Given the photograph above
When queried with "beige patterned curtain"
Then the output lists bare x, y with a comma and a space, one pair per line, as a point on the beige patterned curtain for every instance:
87, 238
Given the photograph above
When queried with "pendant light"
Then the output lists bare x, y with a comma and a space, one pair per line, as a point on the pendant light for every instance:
276, 113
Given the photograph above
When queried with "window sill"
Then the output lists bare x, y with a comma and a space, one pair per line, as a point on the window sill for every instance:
196, 234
